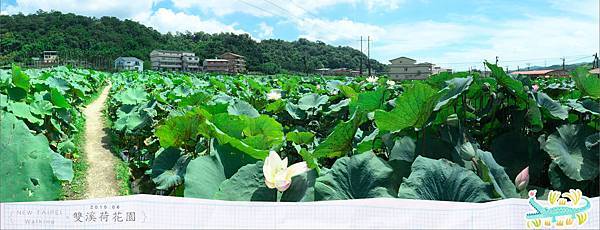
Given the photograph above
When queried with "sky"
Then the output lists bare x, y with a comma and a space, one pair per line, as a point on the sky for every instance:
456, 34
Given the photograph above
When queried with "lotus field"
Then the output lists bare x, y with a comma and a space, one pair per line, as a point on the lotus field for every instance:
40, 121
453, 137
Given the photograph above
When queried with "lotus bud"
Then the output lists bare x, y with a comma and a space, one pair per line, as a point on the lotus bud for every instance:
522, 180
467, 151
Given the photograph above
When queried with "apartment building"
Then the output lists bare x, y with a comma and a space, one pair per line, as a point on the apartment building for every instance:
174, 60
215, 65
404, 68
236, 62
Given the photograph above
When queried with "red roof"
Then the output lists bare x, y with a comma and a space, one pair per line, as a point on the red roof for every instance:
535, 72
596, 71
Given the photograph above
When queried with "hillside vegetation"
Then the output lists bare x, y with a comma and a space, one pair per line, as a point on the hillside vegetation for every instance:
91, 39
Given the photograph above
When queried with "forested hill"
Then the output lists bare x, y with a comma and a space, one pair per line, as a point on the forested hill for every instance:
106, 38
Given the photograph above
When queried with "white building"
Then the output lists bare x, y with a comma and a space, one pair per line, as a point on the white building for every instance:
404, 68
129, 63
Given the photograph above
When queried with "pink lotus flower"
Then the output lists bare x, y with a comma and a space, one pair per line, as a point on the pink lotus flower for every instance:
535, 88
522, 179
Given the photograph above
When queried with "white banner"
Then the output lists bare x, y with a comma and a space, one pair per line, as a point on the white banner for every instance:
147, 211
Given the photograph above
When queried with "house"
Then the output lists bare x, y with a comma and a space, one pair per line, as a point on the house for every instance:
404, 68
129, 63
215, 65
545, 73
595, 71
174, 60
323, 71
236, 62
50, 56
437, 70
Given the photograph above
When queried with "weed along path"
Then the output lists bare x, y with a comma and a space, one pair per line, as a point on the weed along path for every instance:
101, 179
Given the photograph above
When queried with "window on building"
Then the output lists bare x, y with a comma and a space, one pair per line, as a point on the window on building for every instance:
405, 69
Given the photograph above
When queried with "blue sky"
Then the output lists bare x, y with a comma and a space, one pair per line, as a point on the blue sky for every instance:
455, 34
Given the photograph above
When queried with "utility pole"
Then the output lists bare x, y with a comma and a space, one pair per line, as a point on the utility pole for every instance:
518, 69
563, 66
361, 56
528, 64
595, 64
496, 60
507, 69
369, 54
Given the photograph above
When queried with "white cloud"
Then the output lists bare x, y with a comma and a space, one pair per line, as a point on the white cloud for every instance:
165, 20
96, 8
532, 38
590, 8
335, 30
266, 31
281, 8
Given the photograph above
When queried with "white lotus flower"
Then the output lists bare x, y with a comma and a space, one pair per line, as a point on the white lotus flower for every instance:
390, 83
318, 87
278, 174
274, 95
372, 79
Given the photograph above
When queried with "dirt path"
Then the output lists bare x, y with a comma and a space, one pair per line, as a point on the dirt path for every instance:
101, 179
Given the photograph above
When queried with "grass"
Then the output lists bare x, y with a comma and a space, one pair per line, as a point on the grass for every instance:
75, 190
122, 171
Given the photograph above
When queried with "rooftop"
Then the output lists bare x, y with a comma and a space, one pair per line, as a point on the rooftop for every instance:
129, 59
536, 72
596, 71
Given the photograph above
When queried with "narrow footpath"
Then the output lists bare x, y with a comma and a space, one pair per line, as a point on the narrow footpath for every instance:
101, 179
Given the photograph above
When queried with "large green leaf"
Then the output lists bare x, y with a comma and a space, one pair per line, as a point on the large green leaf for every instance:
554, 108
248, 184
242, 108
168, 168
585, 106
132, 96
413, 109
588, 84
182, 131
503, 185
25, 163
561, 182
41, 107
403, 149
300, 137
312, 101
339, 142
443, 180
567, 149
512, 85
263, 132
19, 78
59, 100
22, 110
203, 177
455, 87
360, 176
